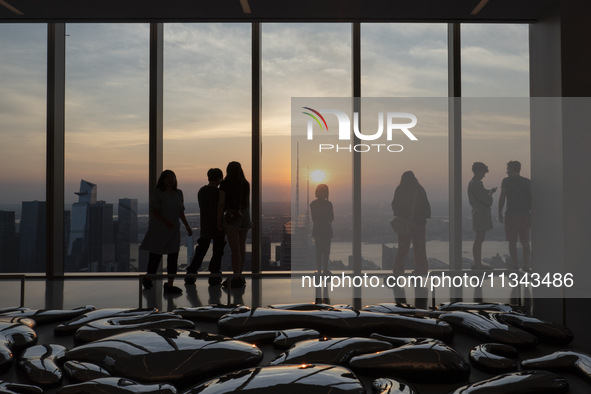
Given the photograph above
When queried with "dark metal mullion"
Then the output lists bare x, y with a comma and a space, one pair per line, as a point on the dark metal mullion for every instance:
56, 92
256, 147
356, 93
455, 146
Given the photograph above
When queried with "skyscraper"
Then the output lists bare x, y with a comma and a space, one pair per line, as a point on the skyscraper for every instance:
86, 196
100, 250
126, 244
8, 242
32, 237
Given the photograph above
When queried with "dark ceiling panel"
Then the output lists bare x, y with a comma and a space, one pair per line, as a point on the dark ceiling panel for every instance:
273, 10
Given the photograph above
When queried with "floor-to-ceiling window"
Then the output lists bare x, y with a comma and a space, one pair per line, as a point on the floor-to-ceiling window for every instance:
23, 76
106, 145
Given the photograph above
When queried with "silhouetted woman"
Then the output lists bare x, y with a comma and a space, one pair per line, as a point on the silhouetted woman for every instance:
322, 217
164, 234
481, 200
410, 202
234, 217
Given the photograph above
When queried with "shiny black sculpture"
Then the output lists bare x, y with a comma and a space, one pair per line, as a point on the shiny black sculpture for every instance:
396, 341
287, 338
70, 327
392, 386
14, 388
480, 325
280, 339
167, 355
104, 328
284, 379
494, 357
116, 386
303, 307
338, 322
46, 316
22, 320
334, 351
205, 313
83, 372
39, 364
546, 332
401, 309
14, 337
478, 306
534, 382
562, 360
426, 361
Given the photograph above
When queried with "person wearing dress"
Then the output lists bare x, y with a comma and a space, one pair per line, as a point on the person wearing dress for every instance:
164, 234
410, 202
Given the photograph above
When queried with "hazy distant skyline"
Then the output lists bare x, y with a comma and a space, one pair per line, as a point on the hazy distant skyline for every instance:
207, 97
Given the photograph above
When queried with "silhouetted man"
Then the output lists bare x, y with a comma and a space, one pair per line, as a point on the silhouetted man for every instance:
209, 196
517, 190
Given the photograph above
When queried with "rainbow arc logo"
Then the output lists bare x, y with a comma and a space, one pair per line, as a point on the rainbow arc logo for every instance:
315, 118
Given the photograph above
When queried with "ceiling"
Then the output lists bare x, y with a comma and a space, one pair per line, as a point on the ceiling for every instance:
512, 11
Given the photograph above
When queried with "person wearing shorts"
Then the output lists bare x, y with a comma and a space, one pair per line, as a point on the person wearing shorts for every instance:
517, 191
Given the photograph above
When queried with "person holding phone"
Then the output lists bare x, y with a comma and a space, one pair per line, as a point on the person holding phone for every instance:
480, 200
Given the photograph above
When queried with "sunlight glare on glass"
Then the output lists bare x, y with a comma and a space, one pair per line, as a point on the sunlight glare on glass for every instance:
317, 176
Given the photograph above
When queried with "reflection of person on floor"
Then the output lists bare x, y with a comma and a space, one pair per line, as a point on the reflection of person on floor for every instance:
209, 197
517, 190
164, 233
322, 217
481, 200
410, 202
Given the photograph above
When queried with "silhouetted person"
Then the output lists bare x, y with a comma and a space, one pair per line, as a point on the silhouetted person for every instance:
410, 202
322, 217
209, 198
481, 200
517, 190
164, 233
234, 217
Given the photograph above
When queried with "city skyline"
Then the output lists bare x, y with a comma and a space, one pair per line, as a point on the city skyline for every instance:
206, 126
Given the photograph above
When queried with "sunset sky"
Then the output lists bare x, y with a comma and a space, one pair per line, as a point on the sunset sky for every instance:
207, 103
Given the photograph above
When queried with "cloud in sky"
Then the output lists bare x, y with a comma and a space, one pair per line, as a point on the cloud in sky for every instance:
207, 107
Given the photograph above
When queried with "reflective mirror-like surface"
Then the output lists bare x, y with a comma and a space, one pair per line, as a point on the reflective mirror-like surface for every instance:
167, 355
205, 313
257, 337
14, 388
392, 386
336, 322
116, 386
539, 382
284, 379
478, 306
83, 372
70, 327
46, 316
287, 338
14, 337
303, 307
426, 361
39, 363
396, 341
104, 328
494, 357
334, 351
480, 325
546, 332
401, 308
22, 320
563, 360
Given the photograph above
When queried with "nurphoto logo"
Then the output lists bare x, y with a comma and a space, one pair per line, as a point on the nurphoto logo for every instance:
345, 130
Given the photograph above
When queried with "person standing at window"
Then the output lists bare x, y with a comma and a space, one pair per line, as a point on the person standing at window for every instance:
480, 200
410, 202
164, 234
322, 217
